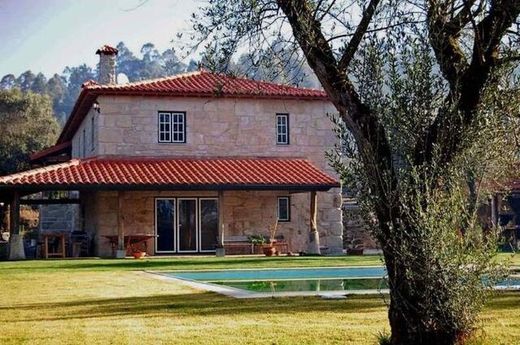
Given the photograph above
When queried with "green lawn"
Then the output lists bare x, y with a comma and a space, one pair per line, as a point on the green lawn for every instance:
99, 301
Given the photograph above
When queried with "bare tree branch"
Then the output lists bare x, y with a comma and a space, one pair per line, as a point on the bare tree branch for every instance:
361, 29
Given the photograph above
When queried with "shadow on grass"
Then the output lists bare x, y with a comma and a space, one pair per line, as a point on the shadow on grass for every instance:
505, 300
179, 305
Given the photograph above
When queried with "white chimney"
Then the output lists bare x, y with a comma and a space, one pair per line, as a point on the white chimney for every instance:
107, 64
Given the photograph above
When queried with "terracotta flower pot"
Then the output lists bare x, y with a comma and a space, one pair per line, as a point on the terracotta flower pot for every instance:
139, 255
269, 250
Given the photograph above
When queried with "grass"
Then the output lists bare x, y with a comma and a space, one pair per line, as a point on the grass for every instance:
98, 301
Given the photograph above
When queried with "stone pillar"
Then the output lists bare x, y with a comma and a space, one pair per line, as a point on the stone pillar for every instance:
313, 246
16, 249
220, 250
121, 251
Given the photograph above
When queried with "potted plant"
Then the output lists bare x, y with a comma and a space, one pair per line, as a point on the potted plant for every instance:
257, 241
270, 249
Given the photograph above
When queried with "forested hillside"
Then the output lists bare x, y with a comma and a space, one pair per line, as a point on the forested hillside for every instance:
149, 63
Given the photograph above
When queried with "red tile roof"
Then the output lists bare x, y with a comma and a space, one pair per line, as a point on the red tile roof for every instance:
106, 49
180, 173
196, 84
204, 83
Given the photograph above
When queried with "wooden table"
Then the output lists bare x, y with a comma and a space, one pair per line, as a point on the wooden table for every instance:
54, 235
133, 243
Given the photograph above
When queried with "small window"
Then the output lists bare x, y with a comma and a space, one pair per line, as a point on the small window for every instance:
84, 146
172, 127
92, 146
282, 129
284, 209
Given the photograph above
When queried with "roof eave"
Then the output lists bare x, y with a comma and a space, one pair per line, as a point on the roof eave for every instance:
171, 187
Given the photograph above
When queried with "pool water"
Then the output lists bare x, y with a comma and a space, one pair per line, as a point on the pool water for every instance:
290, 281
284, 274
298, 281
316, 285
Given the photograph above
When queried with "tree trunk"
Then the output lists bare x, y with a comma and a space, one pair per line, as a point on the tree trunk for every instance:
313, 246
411, 325
410, 331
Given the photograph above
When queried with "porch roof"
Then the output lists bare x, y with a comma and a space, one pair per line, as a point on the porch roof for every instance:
128, 173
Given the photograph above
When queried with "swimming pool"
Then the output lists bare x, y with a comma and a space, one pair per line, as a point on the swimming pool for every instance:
248, 283
326, 282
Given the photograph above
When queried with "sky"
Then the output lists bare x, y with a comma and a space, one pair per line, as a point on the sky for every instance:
48, 35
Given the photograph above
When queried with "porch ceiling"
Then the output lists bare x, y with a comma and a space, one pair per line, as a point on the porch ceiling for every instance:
173, 174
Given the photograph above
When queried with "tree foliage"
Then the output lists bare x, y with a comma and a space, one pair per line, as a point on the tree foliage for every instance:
427, 109
27, 125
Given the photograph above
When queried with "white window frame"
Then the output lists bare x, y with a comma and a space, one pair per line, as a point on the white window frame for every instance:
164, 119
282, 129
288, 199
171, 127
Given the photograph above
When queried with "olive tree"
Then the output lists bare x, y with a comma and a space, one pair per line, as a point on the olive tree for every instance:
427, 108
420, 88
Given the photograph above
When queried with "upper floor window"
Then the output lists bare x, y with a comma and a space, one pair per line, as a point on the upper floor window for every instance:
172, 127
282, 129
84, 146
92, 133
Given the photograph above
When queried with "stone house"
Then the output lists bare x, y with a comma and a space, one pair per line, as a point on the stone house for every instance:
192, 161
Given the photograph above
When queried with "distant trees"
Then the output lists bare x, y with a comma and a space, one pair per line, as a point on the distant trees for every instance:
64, 88
27, 125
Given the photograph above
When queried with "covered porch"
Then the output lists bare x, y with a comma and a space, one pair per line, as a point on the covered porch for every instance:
185, 205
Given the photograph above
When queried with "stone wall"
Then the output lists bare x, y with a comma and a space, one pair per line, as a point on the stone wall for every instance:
245, 213
86, 145
356, 232
127, 126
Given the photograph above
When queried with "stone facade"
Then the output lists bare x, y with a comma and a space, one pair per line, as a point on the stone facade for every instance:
245, 213
357, 234
215, 127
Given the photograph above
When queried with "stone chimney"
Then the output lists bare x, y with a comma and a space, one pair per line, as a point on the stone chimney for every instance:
107, 64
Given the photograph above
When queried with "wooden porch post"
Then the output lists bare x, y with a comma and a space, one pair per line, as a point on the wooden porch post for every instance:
16, 250
121, 251
494, 210
220, 250
314, 237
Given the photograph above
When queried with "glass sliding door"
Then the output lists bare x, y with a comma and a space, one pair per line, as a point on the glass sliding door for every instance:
165, 225
208, 224
187, 225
